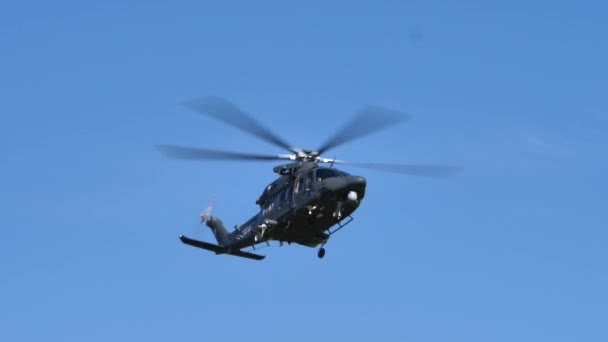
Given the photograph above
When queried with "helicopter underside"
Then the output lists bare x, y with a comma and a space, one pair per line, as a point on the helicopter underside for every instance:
312, 226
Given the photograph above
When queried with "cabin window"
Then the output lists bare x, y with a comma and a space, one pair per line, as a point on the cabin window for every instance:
270, 204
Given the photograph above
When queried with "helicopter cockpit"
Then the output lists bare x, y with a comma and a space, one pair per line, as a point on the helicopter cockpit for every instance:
324, 173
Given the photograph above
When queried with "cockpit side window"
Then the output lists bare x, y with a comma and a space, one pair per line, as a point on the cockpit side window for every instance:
289, 194
299, 184
279, 199
309, 180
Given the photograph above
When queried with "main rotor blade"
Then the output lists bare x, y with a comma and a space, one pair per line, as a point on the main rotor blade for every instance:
190, 153
434, 171
369, 120
223, 110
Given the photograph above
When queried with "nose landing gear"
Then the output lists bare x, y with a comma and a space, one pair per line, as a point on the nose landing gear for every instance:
321, 253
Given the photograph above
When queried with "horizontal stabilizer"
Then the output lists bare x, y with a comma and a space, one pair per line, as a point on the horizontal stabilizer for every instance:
247, 255
219, 249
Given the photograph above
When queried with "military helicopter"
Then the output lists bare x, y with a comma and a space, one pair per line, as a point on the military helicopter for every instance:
311, 199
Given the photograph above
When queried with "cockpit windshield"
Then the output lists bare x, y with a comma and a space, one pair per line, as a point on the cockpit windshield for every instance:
328, 173
342, 173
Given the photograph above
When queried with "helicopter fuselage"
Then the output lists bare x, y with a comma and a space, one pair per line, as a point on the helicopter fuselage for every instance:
299, 207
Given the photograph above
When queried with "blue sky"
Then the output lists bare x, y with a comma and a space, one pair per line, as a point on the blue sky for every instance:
512, 249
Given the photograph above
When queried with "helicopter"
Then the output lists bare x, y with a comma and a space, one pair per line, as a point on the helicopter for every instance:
311, 199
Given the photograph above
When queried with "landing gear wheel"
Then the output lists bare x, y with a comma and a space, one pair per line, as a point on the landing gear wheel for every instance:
321, 253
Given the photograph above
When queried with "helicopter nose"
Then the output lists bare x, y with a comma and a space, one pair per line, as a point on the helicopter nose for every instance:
346, 184
357, 181
357, 184
355, 187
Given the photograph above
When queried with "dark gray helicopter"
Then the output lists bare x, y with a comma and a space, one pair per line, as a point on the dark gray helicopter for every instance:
307, 200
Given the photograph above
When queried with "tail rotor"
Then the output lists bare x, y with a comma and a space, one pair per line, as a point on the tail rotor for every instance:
208, 212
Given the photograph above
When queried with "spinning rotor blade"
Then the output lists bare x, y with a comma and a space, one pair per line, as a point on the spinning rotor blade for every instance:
369, 120
223, 110
190, 153
434, 171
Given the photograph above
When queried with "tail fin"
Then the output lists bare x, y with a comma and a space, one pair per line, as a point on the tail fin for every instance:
216, 225
218, 229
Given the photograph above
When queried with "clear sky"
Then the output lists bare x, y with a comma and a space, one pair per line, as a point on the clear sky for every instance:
512, 249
